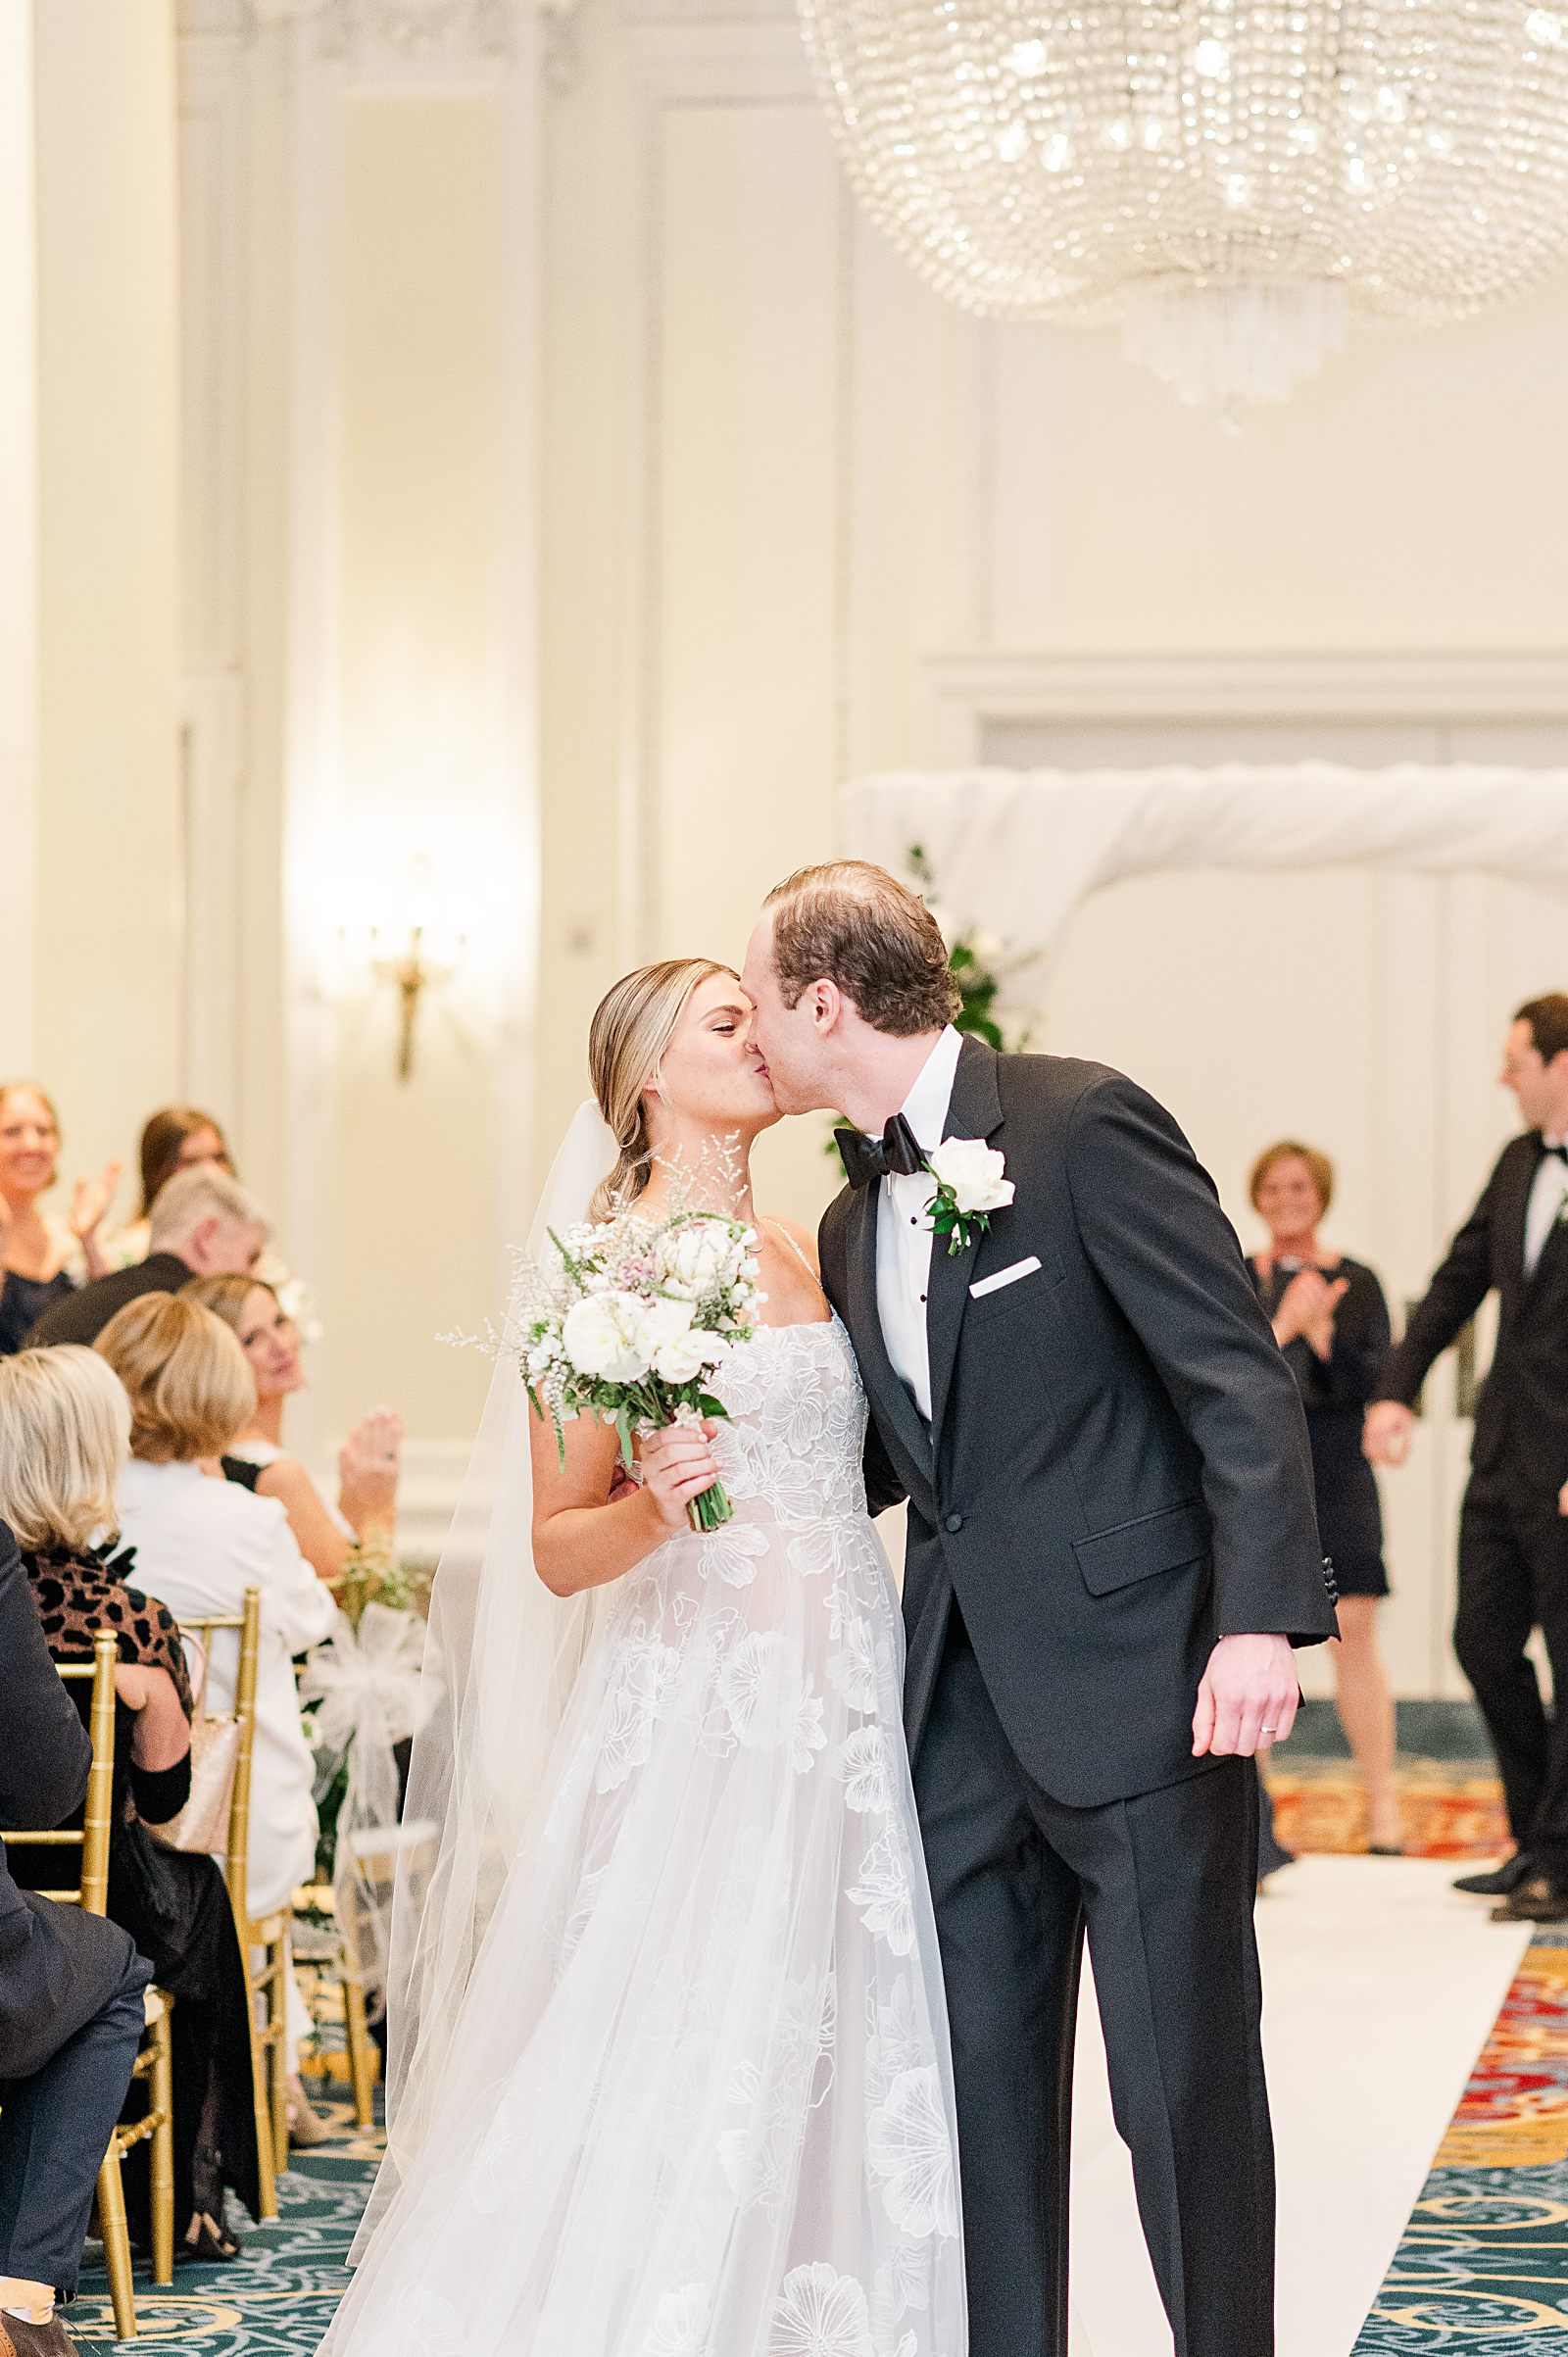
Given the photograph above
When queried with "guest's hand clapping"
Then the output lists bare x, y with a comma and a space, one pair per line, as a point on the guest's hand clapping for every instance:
1562, 1498
90, 1199
678, 1465
1306, 1308
369, 1466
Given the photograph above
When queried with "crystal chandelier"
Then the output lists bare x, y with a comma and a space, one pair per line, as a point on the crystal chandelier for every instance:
1230, 181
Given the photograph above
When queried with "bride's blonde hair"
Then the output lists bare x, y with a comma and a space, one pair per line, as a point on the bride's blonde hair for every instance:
633, 1025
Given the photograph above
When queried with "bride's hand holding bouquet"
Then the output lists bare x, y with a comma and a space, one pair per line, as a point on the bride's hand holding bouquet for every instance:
629, 1325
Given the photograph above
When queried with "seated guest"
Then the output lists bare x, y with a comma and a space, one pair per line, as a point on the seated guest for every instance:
64, 1432
200, 1543
1332, 1322
44, 1255
175, 1138
71, 2000
204, 1224
368, 1462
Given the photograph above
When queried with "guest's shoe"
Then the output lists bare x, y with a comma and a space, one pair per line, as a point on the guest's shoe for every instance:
305, 2126
1497, 1881
1386, 1849
20, 2339
206, 2243
1534, 1900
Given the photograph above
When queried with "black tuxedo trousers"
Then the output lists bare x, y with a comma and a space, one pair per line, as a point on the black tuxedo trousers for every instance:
1116, 1474
1163, 1884
1513, 1543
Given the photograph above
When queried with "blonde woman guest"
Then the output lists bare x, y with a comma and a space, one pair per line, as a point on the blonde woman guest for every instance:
1331, 1320
368, 1462
200, 1543
65, 1434
44, 1255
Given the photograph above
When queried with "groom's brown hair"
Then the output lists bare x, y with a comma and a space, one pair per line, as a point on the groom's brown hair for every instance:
854, 924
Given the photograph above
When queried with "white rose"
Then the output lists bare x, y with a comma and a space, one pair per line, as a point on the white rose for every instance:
698, 1256
973, 1170
988, 948
602, 1336
682, 1357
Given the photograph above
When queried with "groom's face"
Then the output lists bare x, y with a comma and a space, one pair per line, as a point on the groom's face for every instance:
789, 1037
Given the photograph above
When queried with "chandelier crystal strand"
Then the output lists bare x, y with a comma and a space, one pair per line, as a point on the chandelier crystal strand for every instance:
1230, 183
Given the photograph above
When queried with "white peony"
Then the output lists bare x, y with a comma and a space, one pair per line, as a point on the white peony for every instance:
973, 1170
602, 1336
681, 1357
699, 1256
663, 1322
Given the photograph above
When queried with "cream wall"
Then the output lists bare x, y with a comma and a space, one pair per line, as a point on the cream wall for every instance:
100, 640
18, 534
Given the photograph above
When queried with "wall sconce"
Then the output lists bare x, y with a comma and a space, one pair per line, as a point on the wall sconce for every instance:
413, 973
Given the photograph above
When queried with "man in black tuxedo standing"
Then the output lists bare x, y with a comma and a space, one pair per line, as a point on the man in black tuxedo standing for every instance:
1513, 1527
1112, 1547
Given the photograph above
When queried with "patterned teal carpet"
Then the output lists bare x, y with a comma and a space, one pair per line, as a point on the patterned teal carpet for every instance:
1482, 2270
277, 2297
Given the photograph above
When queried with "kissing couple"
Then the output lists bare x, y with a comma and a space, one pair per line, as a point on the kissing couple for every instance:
738, 1932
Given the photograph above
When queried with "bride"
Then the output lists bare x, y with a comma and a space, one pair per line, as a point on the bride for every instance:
670, 2072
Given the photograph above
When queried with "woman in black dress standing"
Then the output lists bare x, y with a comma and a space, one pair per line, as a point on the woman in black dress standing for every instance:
1331, 1320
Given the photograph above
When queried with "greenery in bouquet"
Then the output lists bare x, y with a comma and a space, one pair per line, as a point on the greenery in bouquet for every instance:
630, 1320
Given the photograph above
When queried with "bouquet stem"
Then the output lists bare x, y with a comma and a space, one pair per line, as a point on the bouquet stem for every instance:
708, 1512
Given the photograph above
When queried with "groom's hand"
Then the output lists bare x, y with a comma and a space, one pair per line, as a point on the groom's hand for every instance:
1248, 1698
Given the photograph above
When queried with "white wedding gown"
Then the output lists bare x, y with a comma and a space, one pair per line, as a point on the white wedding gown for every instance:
699, 2103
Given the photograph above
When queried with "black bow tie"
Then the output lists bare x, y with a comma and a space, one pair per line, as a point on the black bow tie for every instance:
1561, 1151
894, 1154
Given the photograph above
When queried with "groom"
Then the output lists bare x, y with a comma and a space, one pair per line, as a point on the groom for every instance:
1112, 1549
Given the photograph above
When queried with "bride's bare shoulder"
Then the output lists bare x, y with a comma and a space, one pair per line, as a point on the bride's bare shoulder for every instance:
804, 1240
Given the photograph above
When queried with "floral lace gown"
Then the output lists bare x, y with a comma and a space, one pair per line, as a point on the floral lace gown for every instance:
702, 2105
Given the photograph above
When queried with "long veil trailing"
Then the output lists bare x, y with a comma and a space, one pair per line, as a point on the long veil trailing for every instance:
501, 1659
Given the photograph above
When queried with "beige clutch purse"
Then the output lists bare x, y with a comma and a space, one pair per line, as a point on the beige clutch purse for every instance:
203, 1823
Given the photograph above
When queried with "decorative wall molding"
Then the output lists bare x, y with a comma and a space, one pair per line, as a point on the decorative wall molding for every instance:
961, 694
426, 43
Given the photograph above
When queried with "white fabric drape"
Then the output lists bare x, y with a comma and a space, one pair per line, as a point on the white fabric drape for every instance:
1017, 850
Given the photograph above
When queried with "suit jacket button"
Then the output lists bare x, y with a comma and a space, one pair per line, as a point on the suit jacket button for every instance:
954, 1522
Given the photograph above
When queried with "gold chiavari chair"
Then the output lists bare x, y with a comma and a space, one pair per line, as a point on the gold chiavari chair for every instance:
155, 2062
268, 1985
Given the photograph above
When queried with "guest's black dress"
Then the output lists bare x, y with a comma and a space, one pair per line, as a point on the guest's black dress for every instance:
1335, 1393
174, 1904
22, 1301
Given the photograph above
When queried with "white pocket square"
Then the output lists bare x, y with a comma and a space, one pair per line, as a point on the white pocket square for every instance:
1004, 1276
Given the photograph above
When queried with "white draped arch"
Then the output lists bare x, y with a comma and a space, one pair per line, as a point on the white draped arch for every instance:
1016, 850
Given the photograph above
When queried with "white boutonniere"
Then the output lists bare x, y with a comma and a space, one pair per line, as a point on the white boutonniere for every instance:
970, 1185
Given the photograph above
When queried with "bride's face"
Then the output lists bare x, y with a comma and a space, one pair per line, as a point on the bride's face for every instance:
711, 1076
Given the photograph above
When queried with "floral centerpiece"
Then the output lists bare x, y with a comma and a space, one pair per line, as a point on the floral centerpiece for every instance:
629, 1321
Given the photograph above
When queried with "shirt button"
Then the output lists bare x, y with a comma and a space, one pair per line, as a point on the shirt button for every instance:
954, 1522
914, 1221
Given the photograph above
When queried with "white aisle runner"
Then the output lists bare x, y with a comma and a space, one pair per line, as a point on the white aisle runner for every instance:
1380, 1985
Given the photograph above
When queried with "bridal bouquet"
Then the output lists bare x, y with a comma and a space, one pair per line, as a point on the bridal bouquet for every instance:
630, 1322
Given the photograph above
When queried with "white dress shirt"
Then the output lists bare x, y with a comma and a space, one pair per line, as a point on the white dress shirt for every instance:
200, 1544
903, 1228
1547, 1199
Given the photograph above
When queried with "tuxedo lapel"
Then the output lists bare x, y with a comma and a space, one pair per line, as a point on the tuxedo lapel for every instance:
864, 1322
974, 1111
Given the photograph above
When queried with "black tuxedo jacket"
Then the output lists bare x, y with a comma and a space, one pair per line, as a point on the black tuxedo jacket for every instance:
1521, 1429
1116, 1471
58, 1967
81, 1317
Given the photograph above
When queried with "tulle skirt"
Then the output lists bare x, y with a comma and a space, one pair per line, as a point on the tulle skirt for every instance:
699, 2100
